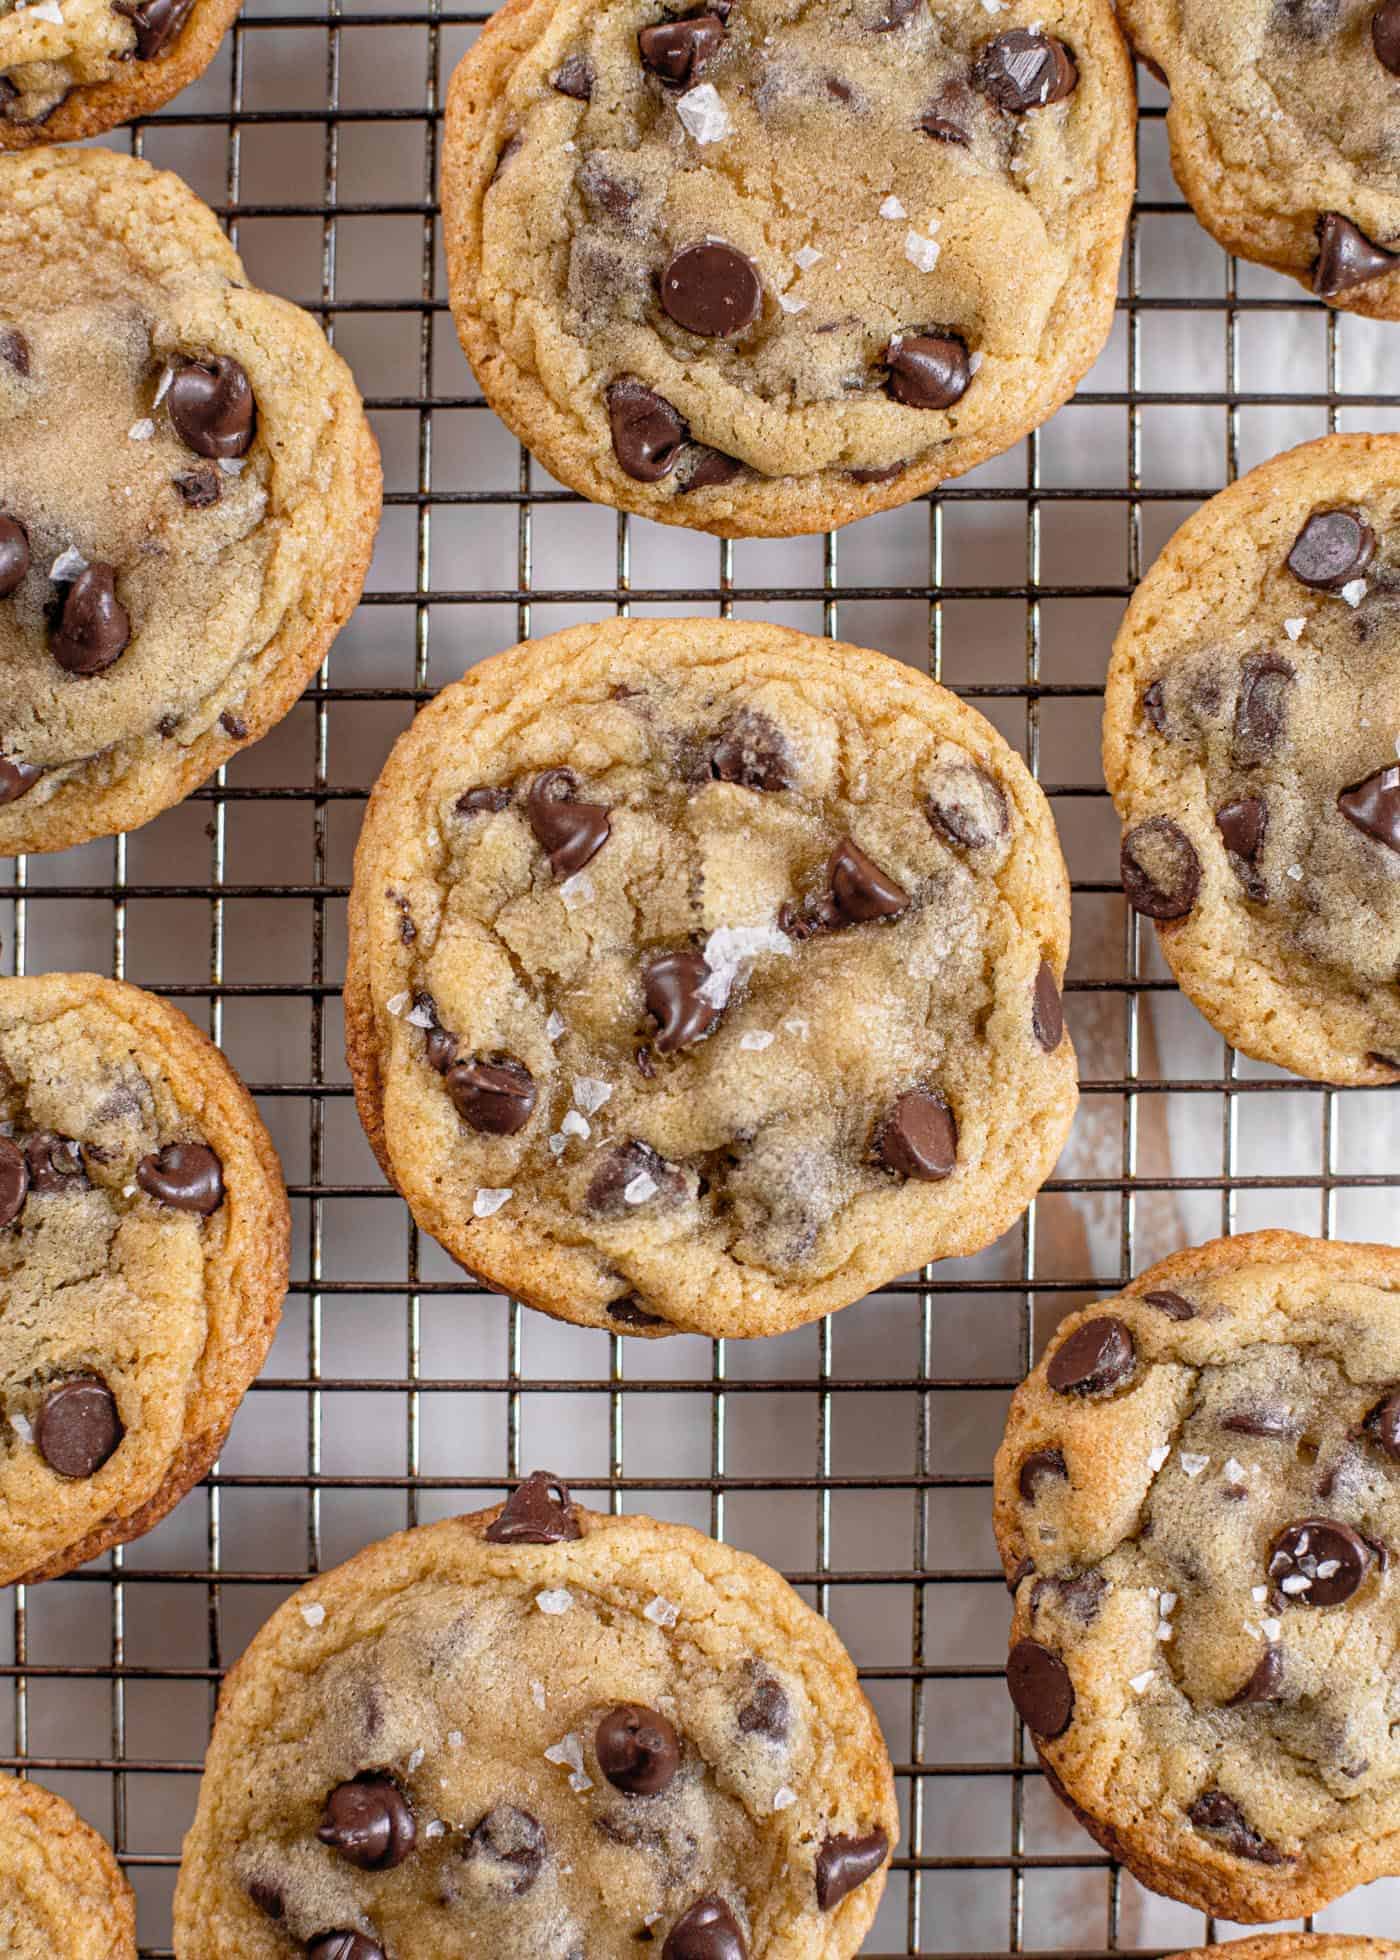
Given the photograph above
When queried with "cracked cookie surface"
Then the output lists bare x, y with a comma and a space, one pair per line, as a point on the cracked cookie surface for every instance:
1284, 125
704, 975
61, 1890
73, 68
143, 1258
766, 267
535, 1733
1300, 1946
1251, 734
188, 496
1198, 1507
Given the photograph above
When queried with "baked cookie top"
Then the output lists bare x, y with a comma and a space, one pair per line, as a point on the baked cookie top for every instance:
71, 68
61, 1890
1198, 1507
705, 973
762, 268
536, 1733
1299, 1946
1250, 742
188, 494
1283, 123
143, 1259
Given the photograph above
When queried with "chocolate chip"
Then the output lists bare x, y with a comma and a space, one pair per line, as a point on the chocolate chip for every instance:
676, 51
94, 627
637, 1749
1382, 1423
1079, 1598
1346, 257
497, 1097
55, 1163
605, 196
1161, 872
947, 117
615, 1170
16, 777
967, 805
233, 725
1154, 707
14, 1182
648, 434
574, 77
1040, 1688
1265, 1683
1261, 709
1242, 826
887, 474
212, 407
859, 889
1374, 806
513, 1843
1263, 1419
672, 985
628, 1314
711, 469
750, 751
370, 1823
843, 1863
1213, 1811
919, 1138
711, 289
707, 1930
766, 1711
1171, 1304
1039, 1466
14, 349
538, 1512
1097, 1356
1022, 1570
1330, 1556
157, 22
77, 1427
483, 801
185, 1176
14, 555
1385, 35
344, 1946
508, 149
1047, 1011
266, 1895
571, 832
928, 370
198, 489
1023, 70
1333, 548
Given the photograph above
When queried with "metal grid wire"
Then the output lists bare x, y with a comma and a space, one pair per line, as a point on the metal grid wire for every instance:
111, 1675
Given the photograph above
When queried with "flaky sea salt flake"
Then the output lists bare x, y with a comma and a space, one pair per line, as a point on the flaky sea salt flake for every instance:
1294, 628
22, 1427
576, 891
1295, 1583
568, 1752
892, 208
163, 389
662, 1612
419, 1016
797, 1025
921, 252
558, 1599
1329, 1568
1193, 1464
1271, 1629
69, 564
1295, 872
575, 1125
490, 1198
756, 1040
1354, 591
233, 465
397, 1003
1259, 1594
537, 1694
784, 1797
806, 256
638, 1189
1235, 1470
48, 10
415, 1761
730, 950
558, 1143
1158, 1457
590, 1093
790, 305
555, 1025
143, 430
702, 111
454, 1738
1141, 1682
313, 1615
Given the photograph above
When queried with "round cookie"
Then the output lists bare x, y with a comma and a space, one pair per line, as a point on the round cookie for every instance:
144, 1241
1197, 1506
760, 269
74, 69
1283, 125
705, 976
62, 1892
1298, 1946
535, 1733
1250, 742
188, 497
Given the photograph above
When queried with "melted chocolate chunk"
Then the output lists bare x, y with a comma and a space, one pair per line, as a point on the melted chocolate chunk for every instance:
1079, 1597
14, 1182
157, 22
370, 1823
919, 1138
707, 1930
1222, 1817
1171, 1304
1260, 1419
949, 115
1022, 70
968, 806
766, 1711
1021, 1570
1161, 872
574, 77
750, 751
267, 1896
77, 1428
1346, 257
648, 434
1382, 1423
1097, 1356
212, 407
616, 1169
94, 627
496, 1097
843, 1863
198, 489
509, 149
676, 51
1242, 825
1040, 1688
16, 777
344, 1946
488, 799
14, 555
1041, 1466
538, 1512
628, 1314
1333, 548
928, 370
1374, 806
55, 1163
571, 832
1318, 1562
637, 1749
711, 289
233, 725
711, 469
14, 349
859, 889
672, 986
1261, 709
185, 1176
513, 1843
1154, 707
1047, 1010
1385, 35
1265, 1683
887, 474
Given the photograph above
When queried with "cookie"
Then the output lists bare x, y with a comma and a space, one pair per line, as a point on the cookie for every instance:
705, 976
1299, 1946
143, 1258
73, 68
1282, 124
1250, 742
534, 1733
1198, 1508
61, 1890
188, 497
761, 269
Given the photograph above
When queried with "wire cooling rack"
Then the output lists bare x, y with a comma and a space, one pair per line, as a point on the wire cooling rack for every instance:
855, 1455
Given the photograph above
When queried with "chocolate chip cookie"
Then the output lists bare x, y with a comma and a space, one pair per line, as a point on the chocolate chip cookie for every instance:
1285, 133
704, 976
72, 68
1251, 736
761, 269
1299, 1946
1198, 1509
538, 1733
143, 1258
188, 497
62, 1893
